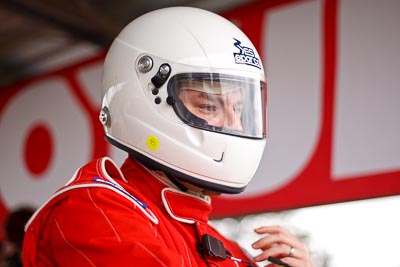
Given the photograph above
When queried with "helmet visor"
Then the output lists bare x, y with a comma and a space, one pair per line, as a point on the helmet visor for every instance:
221, 103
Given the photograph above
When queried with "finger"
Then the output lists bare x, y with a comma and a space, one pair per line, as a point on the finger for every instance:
270, 229
278, 235
275, 251
299, 251
275, 230
283, 250
278, 238
272, 240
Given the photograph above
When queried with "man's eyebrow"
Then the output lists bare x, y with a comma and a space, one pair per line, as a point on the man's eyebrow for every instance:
207, 96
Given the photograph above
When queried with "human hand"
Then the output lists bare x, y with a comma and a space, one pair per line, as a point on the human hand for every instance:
281, 244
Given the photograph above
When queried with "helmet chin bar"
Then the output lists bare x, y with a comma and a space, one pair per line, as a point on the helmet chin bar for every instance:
153, 165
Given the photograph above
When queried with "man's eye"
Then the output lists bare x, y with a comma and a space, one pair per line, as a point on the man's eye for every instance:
209, 108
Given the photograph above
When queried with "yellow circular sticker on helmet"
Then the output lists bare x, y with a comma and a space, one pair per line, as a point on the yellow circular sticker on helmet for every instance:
152, 142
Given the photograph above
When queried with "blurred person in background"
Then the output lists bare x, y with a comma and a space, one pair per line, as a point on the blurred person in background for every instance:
14, 235
2, 256
184, 94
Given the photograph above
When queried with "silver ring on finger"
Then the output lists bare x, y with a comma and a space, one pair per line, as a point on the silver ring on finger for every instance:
291, 251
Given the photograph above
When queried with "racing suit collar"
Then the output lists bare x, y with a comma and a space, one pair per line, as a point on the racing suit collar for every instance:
186, 207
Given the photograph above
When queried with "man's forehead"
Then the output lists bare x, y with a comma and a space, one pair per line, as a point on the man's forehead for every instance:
211, 87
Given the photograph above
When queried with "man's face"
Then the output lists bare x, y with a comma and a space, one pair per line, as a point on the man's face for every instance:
226, 104
222, 109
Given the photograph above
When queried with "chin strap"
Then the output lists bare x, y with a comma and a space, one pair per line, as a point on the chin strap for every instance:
176, 182
152, 167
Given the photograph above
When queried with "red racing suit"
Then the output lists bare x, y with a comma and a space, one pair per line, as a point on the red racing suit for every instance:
106, 216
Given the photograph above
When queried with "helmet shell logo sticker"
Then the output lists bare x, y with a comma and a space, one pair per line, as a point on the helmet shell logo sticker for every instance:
245, 55
152, 142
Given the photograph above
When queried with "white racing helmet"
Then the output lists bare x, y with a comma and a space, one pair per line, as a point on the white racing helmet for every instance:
184, 91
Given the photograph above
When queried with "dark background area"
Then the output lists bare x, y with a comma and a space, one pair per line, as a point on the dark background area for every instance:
39, 35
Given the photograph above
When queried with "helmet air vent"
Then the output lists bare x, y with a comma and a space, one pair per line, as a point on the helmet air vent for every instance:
162, 75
